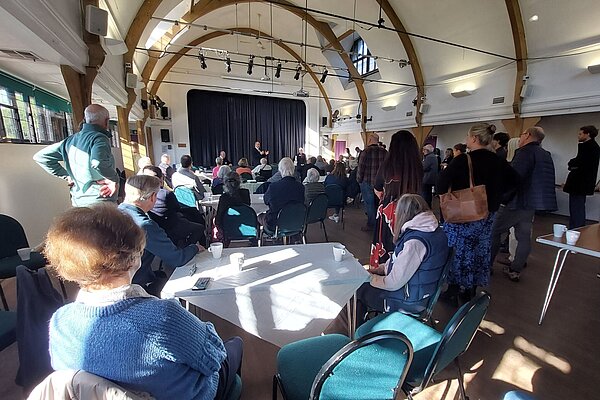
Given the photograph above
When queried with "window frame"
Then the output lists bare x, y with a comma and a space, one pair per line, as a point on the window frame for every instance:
361, 58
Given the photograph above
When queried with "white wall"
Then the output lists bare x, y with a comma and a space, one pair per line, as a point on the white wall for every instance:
29, 194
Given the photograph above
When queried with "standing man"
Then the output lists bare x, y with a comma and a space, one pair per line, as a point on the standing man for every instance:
89, 166
583, 170
535, 192
166, 169
369, 162
430, 172
258, 153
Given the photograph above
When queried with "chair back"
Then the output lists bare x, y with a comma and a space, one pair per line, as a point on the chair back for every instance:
317, 209
262, 189
12, 236
372, 367
218, 189
266, 173
8, 328
457, 335
185, 196
335, 194
239, 223
290, 220
246, 176
426, 315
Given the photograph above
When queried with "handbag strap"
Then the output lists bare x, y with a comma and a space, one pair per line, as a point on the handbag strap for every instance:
471, 183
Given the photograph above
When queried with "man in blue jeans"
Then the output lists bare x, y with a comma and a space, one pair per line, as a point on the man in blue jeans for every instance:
368, 165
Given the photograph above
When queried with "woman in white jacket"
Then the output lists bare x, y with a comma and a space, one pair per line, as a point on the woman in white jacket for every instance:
412, 274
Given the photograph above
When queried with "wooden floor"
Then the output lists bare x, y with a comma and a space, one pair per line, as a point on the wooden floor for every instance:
558, 360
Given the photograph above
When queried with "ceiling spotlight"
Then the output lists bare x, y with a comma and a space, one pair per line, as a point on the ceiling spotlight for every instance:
403, 63
202, 61
278, 70
297, 74
324, 76
228, 64
533, 18
250, 65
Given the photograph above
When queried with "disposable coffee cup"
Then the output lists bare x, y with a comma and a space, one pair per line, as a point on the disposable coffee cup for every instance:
237, 260
216, 249
339, 251
24, 253
559, 230
572, 237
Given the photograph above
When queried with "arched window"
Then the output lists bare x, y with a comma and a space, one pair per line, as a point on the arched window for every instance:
361, 58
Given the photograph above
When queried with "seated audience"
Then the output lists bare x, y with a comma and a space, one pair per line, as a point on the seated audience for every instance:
143, 162
167, 169
186, 177
311, 164
217, 183
219, 162
280, 193
140, 197
116, 330
167, 214
263, 166
458, 149
243, 168
312, 186
331, 165
275, 177
411, 275
337, 177
232, 196
320, 163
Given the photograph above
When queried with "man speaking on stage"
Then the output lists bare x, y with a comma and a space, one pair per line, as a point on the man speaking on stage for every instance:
257, 154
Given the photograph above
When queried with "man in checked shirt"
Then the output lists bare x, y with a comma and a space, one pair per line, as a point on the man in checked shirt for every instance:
368, 165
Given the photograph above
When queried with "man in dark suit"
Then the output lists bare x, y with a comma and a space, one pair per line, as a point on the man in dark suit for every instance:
258, 153
583, 170
280, 193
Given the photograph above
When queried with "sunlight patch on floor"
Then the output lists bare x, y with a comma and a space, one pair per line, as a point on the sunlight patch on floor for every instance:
549, 358
516, 369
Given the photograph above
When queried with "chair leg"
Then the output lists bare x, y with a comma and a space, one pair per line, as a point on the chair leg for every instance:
274, 387
303, 238
324, 230
461, 383
4, 303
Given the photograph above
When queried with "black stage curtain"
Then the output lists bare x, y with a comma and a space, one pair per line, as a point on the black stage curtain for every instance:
233, 122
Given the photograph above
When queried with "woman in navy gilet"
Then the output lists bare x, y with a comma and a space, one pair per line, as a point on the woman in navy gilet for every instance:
411, 275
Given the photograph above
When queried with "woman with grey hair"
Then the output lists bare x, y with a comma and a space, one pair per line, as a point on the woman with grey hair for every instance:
232, 196
312, 186
217, 183
472, 240
215, 171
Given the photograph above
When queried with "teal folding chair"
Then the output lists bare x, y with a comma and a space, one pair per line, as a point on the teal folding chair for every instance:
290, 222
317, 212
433, 351
240, 223
186, 196
334, 368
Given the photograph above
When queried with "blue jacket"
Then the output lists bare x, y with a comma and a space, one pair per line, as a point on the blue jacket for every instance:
279, 194
415, 295
536, 179
87, 158
157, 244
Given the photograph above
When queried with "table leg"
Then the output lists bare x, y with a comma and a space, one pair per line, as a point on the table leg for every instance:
561, 256
351, 311
210, 213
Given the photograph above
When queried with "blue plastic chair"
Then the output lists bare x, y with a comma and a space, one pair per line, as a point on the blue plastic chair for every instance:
290, 222
333, 367
433, 351
317, 212
240, 223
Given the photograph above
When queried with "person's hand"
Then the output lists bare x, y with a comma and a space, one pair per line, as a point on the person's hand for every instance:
266, 152
200, 248
107, 188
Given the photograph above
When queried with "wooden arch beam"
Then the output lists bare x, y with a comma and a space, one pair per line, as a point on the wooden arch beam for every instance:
518, 33
415, 65
176, 57
204, 7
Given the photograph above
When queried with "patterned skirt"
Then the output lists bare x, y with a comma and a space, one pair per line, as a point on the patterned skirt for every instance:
472, 245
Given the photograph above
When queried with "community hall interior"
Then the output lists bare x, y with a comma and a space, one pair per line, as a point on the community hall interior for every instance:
199, 77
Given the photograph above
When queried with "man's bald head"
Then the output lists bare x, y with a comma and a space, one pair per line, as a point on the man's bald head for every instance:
97, 115
373, 138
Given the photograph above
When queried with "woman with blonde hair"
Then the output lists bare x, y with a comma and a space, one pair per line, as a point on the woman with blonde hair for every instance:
116, 330
472, 240
411, 275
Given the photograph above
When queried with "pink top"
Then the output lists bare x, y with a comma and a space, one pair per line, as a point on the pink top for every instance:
215, 171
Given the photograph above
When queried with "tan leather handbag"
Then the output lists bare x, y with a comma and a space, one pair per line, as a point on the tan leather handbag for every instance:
465, 205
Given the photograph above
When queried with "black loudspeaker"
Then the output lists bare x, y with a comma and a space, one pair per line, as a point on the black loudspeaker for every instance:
164, 112
144, 104
323, 121
165, 135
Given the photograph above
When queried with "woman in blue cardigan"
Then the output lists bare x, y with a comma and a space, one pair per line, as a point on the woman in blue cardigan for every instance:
118, 331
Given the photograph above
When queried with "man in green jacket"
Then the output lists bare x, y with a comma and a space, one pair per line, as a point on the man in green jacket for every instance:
89, 166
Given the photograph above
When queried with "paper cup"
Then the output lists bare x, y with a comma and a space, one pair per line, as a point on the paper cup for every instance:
559, 230
24, 253
339, 251
572, 237
216, 249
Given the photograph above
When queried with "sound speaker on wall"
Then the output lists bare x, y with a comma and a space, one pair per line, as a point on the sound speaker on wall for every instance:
323, 121
131, 80
144, 104
164, 112
96, 20
165, 136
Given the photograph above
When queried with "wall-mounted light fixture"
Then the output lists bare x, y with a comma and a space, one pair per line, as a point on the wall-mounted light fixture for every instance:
462, 93
250, 65
202, 61
594, 69
228, 65
278, 70
324, 76
297, 74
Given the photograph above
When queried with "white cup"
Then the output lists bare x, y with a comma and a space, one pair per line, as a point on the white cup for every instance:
339, 250
216, 249
24, 253
237, 259
559, 230
572, 237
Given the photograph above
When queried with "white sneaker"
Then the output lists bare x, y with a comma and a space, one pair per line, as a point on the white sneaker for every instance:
349, 200
335, 218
